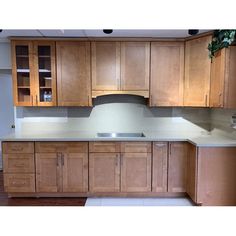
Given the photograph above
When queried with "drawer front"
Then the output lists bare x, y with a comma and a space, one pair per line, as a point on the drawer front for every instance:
136, 147
18, 163
71, 147
104, 147
18, 147
19, 183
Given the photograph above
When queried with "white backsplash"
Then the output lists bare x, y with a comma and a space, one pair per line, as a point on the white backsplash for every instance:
113, 113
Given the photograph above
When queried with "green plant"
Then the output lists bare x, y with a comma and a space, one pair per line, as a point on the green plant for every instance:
221, 39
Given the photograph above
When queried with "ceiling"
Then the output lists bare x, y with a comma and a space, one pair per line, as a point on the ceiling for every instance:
96, 33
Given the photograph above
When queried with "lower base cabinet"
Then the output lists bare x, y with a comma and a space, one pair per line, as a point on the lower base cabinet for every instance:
58, 171
104, 172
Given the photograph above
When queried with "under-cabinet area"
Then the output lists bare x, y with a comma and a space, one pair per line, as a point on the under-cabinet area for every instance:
113, 168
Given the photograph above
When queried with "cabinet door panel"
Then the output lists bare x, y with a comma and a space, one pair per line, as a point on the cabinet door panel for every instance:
23, 73
216, 176
159, 167
177, 167
17, 147
73, 73
45, 73
104, 172
104, 147
197, 72
167, 73
136, 147
136, 172
135, 58
48, 176
75, 172
105, 66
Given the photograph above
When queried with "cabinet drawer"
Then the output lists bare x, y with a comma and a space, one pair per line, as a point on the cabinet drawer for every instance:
71, 147
136, 147
104, 147
18, 147
18, 163
19, 183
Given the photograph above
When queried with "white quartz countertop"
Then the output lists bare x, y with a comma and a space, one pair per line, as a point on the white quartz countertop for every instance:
198, 140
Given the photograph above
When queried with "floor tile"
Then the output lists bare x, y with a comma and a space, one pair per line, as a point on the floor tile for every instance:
138, 202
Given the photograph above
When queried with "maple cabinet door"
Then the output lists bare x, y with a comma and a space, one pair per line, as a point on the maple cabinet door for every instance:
159, 167
197, 72
136, 172
167, 74
48, 174
75, 172
135, 59
104, 172
105, 66
73, 74
177, 167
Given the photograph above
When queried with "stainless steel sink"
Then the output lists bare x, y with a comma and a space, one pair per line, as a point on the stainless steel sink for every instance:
120, 135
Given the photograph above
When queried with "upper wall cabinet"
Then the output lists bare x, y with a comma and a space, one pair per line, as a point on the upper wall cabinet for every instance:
223, 83
73, 73
33, 72
167, 74
120, 68
197, 72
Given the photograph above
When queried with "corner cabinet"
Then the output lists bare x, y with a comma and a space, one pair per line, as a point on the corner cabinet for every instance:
34, 73
73, 73
223, 83
197, 72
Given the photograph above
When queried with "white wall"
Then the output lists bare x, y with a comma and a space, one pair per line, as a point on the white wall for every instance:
113, 113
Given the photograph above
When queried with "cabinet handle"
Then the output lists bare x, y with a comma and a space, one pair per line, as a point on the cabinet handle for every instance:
17, 149
58, 155
62, 159
206, 100
170, 148
117, 157
31, 97
220, 99
36, 99
121, 159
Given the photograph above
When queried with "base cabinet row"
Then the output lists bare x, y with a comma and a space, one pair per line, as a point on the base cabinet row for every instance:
206, 174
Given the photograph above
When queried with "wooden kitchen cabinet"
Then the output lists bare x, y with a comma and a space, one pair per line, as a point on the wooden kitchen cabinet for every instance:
177, 167
136, 172
18, 167
159, 167
33, 73
104, 172
105, 66
73, 73
197, 72
61, 167
167, 74
223, 83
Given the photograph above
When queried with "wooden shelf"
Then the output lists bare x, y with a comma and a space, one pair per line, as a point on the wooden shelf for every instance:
23, 56
45, 87
44, 71
42, 56
23, 87
23, 70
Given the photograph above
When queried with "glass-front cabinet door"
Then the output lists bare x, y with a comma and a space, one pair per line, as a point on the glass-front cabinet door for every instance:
22, 73
45, 73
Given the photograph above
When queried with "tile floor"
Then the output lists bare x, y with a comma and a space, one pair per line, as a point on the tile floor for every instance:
138, 202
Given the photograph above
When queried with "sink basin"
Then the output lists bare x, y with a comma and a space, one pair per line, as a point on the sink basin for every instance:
120, 135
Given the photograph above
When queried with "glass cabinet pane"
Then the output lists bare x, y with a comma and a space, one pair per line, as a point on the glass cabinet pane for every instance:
23, 73
44, 73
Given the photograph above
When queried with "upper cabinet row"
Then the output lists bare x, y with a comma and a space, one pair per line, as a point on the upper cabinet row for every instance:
71, 73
